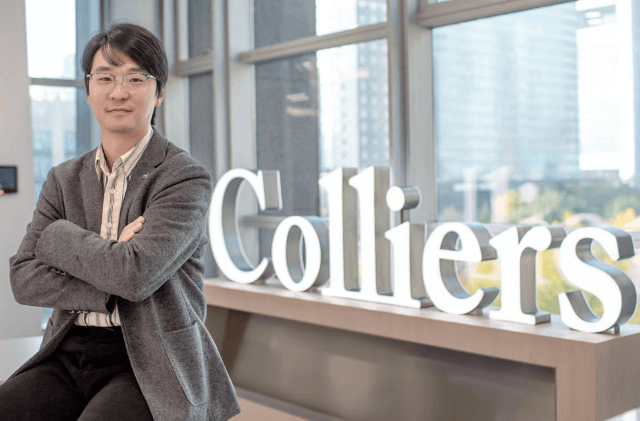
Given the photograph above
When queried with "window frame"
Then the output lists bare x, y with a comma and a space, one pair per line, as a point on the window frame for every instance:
411, 101
83, 124
412, 142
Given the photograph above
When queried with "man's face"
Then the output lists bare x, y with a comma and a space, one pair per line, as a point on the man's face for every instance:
121, 111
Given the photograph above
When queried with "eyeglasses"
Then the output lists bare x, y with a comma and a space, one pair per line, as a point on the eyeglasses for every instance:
133, 82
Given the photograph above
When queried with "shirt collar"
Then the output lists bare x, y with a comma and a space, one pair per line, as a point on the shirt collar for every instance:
129, 159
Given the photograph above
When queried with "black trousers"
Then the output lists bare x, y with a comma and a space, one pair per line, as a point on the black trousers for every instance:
88, 378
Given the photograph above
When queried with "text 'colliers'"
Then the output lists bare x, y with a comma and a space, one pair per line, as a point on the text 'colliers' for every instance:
424, 273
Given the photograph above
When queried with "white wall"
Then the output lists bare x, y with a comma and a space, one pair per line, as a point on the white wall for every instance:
16, 210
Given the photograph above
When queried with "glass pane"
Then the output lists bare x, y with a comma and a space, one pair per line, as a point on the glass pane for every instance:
279, 21
539, 102
200, 35
51, 38
53, 114
535, 124
317, 112
354, 106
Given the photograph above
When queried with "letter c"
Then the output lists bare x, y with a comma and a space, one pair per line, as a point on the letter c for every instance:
223, 225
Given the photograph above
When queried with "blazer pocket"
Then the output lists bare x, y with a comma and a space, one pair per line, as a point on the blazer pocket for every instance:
186, 354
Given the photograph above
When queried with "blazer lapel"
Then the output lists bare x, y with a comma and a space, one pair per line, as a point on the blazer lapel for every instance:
150, 159
92, 194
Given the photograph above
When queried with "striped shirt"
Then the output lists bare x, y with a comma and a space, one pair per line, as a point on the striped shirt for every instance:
115, 186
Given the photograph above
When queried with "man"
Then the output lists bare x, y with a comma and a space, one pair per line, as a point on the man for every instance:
115, 247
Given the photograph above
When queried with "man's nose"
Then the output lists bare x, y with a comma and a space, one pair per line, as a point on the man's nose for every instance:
119, 91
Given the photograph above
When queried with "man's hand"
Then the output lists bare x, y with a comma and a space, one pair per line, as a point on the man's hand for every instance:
130, 230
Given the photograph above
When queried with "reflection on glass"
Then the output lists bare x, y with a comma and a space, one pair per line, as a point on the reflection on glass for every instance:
535, 124
51, 38
53, 114
286, 20
540, 102
316, 112
354, 106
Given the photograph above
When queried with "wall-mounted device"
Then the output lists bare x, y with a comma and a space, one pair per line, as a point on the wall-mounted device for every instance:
9, 179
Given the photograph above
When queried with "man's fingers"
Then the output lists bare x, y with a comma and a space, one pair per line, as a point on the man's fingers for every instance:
129, 231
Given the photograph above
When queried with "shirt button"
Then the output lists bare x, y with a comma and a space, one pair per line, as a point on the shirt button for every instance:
113, 191
109, 224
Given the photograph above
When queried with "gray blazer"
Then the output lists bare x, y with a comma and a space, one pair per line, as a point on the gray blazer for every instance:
156, 278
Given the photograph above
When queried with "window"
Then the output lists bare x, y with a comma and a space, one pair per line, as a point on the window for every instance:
540, 104
69, 144
535, 124
278, 21
201, 85
530, 107
53, 113
192, 87
311, 108
58, 99
61, 118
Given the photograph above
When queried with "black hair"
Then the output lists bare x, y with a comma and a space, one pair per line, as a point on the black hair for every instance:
144, 48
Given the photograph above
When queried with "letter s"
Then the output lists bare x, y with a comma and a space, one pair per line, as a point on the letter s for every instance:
609, 284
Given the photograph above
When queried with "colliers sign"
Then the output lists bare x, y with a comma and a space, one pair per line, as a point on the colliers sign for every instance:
424, 273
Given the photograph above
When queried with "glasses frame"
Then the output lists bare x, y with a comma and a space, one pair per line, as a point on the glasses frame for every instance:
124, 84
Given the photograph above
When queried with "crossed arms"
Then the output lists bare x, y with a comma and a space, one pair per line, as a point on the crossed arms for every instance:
62, 265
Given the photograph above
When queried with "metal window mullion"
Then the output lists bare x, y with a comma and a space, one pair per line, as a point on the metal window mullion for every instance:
182, 30
175, 108
240, 98
433, 15
398, 121
315, 43
195, 65
221, 100
105, 15
411, 110
65, 83
170, 28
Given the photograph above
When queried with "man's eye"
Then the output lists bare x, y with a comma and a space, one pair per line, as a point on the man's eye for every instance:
136, 80
105, 79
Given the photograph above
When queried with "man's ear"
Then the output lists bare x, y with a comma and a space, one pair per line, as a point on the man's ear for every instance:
160, 98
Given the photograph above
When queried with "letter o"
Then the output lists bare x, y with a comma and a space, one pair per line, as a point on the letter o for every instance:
286, 253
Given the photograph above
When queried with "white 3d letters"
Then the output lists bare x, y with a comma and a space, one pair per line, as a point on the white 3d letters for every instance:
424, 273
225, 242
343, 231
517, 249
608, 283
438, 266
287, 249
